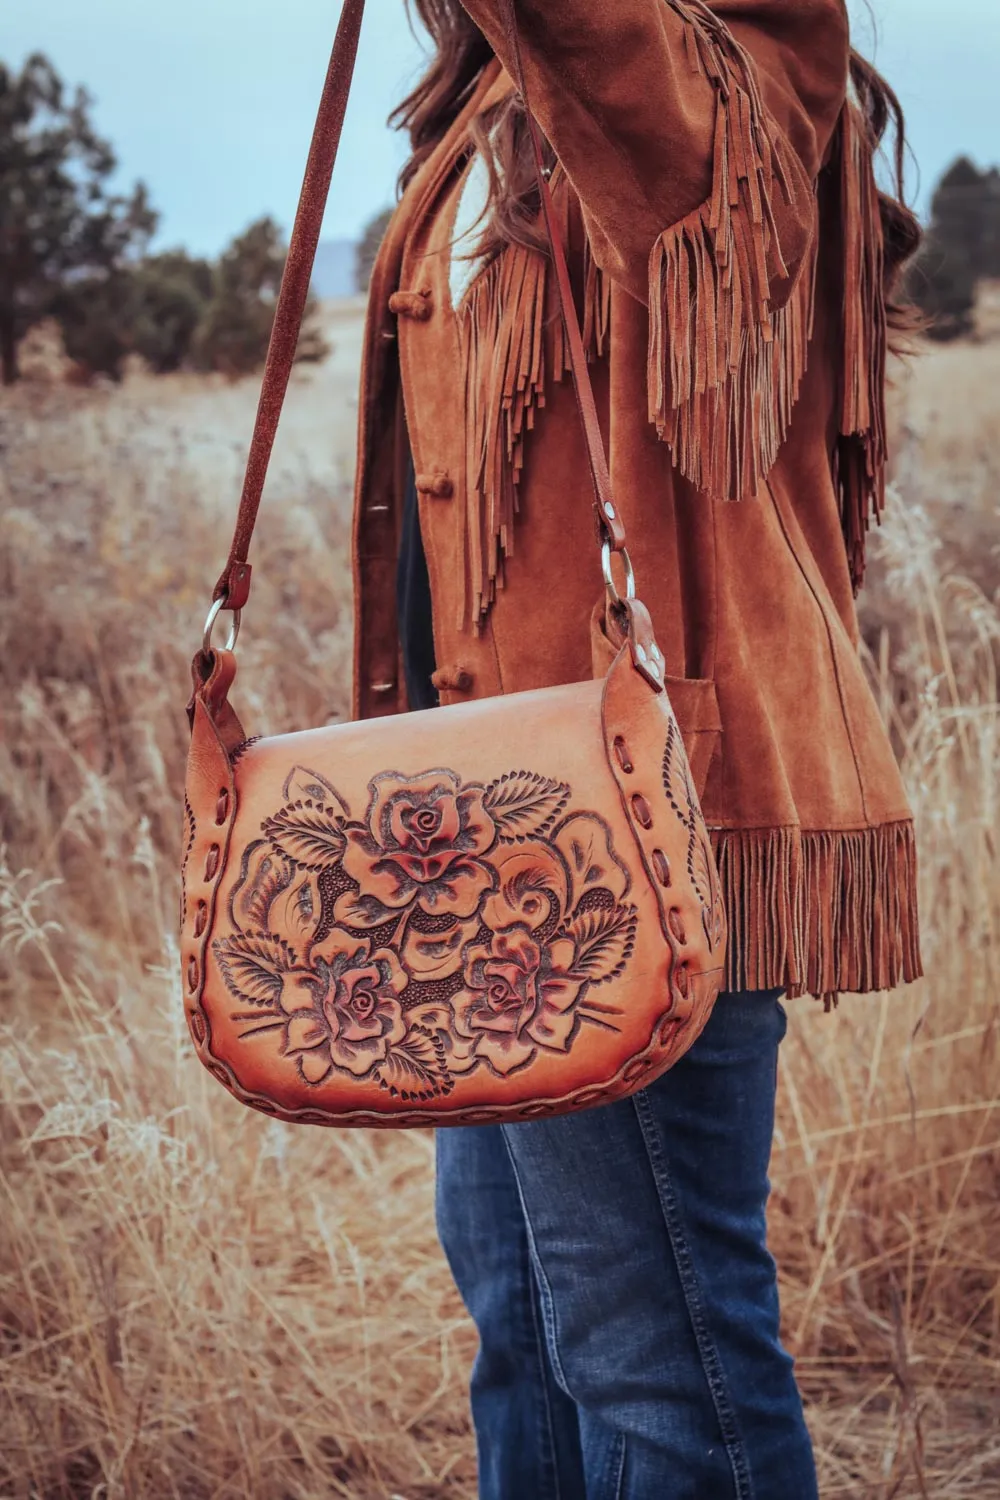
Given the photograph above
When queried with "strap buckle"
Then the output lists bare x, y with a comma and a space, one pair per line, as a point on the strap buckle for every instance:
212, 616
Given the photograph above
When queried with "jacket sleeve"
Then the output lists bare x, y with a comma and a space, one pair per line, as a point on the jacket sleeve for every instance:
693, 136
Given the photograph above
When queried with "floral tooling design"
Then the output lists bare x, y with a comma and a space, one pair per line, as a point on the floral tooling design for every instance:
701, 865
455, 926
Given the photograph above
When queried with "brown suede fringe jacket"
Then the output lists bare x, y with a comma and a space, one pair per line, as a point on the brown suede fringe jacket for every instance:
722, 220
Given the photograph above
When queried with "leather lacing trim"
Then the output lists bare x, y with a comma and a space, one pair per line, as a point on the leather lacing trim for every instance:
817, 913
241, 749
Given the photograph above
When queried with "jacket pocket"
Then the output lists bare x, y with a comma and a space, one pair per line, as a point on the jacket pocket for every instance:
693, 700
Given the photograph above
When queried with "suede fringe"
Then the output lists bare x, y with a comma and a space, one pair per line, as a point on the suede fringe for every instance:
820, 913
512, 344
596, 306
724, 367
859, 467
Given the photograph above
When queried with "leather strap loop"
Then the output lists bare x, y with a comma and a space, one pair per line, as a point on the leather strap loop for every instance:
233, 585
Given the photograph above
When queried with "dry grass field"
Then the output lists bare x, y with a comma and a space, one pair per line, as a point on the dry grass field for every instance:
199, 1304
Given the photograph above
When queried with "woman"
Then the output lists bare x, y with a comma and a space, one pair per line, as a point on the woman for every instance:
734, 265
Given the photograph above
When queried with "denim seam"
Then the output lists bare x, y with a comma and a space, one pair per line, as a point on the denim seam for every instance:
545, 1296
553, 1465
711, 1363
620, 1481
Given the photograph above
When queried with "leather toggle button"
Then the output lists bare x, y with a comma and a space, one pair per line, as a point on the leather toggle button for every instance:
436, 484
456, 679
416, 305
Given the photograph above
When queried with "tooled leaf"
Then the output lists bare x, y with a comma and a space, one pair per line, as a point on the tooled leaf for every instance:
436, 1018
356, 909
523, 804
302, 784
437, 955
604, 938
584, 840
677, 779
705, 878
308, 833
265, 874
253, 965
298, 909
416, 1067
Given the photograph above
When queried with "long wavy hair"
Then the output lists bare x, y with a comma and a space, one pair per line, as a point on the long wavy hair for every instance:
513, 210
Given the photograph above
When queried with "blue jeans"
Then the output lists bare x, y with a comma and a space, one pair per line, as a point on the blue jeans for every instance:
616, 1267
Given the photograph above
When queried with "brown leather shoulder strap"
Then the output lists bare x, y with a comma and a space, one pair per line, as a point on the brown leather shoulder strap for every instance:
609, 523
233, 586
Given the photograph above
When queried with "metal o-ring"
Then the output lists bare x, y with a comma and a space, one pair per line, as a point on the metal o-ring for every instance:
212, 616
609, 577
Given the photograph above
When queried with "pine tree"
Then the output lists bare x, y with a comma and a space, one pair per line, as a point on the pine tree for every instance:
63, 233
234, 331
961, 248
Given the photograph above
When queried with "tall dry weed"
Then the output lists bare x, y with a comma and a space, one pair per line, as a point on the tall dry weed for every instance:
196, 1302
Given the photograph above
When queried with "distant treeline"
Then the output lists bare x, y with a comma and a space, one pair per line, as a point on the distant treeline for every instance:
961, 248
73, 250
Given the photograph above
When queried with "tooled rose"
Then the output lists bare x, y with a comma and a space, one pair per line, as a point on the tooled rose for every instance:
519, 995
343, 1011
423, 842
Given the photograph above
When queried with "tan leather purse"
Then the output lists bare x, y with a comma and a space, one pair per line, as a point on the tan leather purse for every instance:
494, 911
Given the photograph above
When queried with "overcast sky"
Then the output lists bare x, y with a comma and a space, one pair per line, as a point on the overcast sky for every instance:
211, 101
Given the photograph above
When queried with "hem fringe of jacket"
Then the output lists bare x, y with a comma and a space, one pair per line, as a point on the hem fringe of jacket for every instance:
816, 913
